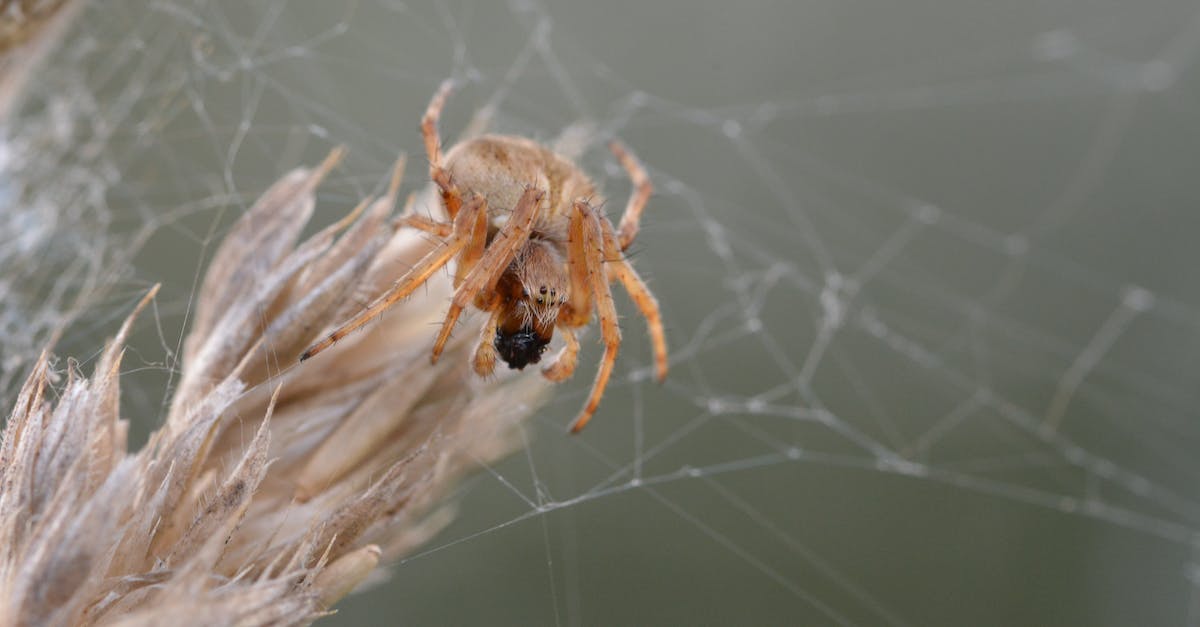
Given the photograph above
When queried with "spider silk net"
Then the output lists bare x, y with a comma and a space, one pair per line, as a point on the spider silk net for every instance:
927, 271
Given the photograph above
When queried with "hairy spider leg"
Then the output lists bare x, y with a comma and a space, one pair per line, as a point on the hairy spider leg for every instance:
483, 276
577, 311
451, 197
416, 275
484, 361
642, 189
474, 251
593, 243
433, 149
564, 362
641, 295
433, 227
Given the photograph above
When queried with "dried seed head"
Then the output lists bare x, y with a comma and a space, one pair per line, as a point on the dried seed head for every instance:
351, 457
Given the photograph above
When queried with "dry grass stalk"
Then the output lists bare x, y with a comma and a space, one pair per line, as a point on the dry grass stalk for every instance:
272, 489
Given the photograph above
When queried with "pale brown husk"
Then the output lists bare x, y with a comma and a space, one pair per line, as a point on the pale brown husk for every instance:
272, 489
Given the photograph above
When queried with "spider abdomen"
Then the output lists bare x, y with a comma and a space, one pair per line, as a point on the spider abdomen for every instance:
500, 167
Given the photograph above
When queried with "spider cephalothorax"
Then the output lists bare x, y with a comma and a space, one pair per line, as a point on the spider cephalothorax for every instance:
531, 290
533, 251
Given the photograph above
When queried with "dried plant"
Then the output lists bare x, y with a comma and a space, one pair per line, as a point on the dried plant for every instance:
272, 489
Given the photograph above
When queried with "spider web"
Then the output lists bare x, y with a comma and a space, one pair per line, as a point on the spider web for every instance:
927, 272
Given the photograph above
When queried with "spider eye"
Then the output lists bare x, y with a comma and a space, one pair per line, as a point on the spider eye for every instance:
524, 293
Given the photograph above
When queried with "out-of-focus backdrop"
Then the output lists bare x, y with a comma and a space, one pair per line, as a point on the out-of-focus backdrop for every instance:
928, 269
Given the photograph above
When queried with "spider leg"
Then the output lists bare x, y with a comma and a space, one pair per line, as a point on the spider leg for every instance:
475, 248
485, 353
495, 260
642, 189
611, 333
577, 310
416, 276
433, 227
433, 149
621, 270
476, 241
563, 365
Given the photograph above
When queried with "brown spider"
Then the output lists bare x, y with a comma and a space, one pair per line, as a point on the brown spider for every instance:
534, 252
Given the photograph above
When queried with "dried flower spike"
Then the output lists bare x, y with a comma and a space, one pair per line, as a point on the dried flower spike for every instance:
271, 491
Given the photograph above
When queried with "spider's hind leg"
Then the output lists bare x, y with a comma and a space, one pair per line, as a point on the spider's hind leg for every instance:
433, 149
642, 189
643, 298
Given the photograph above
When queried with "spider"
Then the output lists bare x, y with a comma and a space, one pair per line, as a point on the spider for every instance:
535, 253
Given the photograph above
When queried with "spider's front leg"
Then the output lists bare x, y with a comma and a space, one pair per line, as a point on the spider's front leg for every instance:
464, 226
577, 311
483, 277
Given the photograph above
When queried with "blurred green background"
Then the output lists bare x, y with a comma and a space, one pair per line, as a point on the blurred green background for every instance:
928, 270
